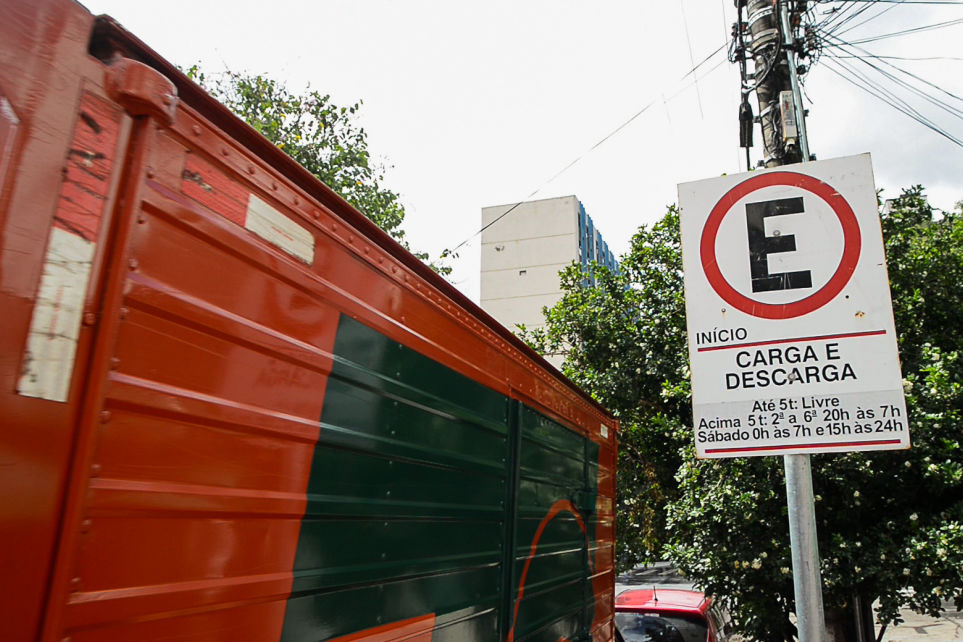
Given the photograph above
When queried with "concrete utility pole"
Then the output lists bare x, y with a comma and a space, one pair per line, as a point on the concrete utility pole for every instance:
769, 44
782, 118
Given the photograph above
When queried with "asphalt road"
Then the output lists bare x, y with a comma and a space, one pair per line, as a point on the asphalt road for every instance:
658, 574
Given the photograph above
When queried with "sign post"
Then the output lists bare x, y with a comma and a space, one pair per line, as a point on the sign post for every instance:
792, 344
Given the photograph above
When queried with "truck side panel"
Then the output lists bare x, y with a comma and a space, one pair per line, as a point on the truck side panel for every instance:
258, 418
48, 153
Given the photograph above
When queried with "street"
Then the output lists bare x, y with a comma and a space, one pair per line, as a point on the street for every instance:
915, 627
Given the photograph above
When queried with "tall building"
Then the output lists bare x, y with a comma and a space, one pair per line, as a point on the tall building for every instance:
523, 252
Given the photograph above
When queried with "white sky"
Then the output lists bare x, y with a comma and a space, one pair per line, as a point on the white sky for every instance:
473, 103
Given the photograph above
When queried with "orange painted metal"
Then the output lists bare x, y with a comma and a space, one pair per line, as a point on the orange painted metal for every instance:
417, 629
161, 498
37, 437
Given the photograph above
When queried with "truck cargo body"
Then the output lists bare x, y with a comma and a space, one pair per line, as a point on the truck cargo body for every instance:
232, 408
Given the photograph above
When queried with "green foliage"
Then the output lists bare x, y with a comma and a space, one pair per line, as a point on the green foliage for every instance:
629, 354
322, 137
890, 524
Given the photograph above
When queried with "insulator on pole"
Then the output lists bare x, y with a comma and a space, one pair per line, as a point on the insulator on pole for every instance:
745, 123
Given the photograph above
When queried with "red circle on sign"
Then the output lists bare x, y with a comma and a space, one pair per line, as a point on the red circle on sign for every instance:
839, 279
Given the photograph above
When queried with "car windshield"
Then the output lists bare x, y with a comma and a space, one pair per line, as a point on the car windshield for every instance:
652, 627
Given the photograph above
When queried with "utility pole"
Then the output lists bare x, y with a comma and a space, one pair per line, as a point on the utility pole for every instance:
772, 45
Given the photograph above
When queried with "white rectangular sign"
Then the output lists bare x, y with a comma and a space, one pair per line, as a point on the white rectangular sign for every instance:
790, 324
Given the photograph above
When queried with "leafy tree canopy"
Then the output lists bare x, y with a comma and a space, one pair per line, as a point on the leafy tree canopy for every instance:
322, 137
890, 524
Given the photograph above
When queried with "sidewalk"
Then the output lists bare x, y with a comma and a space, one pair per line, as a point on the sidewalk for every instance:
917, 628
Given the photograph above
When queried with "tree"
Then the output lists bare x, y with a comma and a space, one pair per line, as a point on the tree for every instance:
620, 331
890, 524
321, 136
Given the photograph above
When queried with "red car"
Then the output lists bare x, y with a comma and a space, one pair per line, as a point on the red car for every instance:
670, 615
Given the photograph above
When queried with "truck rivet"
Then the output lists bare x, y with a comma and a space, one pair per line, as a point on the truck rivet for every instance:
75, 583
250, 169
95, 470
274, 184
224, 151
196, 129
297, 201
133, 264
114, 363
104, 416
150, 172
123, 313
168, 100
90, 318
85, 525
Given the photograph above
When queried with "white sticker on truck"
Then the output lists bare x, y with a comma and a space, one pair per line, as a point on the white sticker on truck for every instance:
55, 326
279, 230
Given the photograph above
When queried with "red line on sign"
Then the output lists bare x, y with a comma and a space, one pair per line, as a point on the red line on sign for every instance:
847, 335
879, 442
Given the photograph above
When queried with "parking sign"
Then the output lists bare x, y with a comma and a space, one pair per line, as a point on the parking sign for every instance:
790, 324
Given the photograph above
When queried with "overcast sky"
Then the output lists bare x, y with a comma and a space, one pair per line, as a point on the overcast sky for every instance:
473, 103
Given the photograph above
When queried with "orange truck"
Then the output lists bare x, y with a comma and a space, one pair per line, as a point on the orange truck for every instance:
232, 408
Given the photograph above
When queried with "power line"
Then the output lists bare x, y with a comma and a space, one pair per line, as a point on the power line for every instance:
892, 5
953, 111
837, 14
450, 252
685, 22
893, 101
909, 58
938, 25
870, 56
852, 76
935, 2
704, 61
850, 17
867, 60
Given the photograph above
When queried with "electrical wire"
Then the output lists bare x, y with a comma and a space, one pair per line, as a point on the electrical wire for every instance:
899, 105
452, 252
850, 17
846, 72
938, 25
685, 22
891, 6
953, 111
835, 15
867, 56
704, 61
935, 2
910, 58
